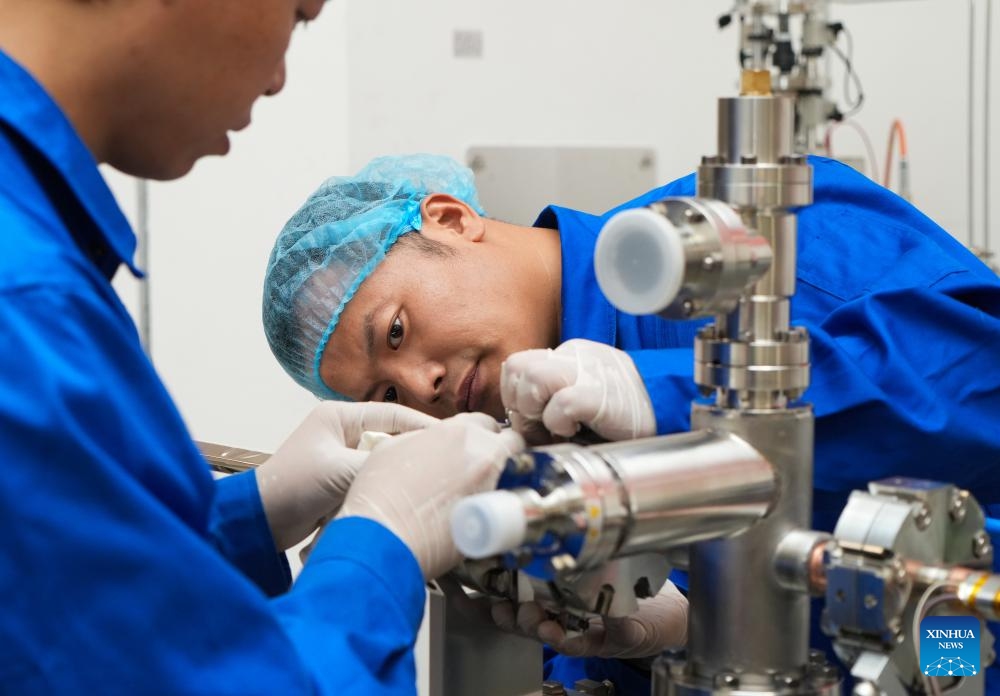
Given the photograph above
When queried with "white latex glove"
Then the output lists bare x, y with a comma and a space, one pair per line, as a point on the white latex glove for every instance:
307, 478
660, 624
410, 483
579, 383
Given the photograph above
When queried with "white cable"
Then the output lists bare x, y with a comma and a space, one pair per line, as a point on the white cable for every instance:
924, 606
872, 161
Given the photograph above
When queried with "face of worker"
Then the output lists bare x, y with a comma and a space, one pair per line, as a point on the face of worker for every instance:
430, 331
200, 68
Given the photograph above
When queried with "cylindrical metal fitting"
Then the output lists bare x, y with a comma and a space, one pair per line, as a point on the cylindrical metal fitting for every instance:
756, 167
624, 498
756, 130
981, 593
798, 561
684, 488
679, 258
725, 569
758, 187
768, 366
780, 229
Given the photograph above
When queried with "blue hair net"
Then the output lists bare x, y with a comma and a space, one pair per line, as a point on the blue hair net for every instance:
335, 241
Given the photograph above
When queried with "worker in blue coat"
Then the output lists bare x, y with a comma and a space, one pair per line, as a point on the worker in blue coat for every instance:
904, 322
478, 314
125, 568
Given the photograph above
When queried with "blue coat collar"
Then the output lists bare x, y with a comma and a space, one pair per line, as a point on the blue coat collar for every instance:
30, 114
586, 313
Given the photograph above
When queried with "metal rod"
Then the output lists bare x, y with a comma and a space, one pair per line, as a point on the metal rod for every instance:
987, 155
972, 124
689, 487
230, 460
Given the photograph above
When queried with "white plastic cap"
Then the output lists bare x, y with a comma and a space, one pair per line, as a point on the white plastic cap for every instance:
370, 438
488, 524
639, 261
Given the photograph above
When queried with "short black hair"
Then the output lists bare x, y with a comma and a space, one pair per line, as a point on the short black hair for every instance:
425, 245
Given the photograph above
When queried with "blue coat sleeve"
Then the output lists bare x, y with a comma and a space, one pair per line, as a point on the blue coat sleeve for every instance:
110, 568
239, 529
905, 383
668, 375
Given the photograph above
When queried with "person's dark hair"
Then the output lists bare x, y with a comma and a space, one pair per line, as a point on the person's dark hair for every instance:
429, 247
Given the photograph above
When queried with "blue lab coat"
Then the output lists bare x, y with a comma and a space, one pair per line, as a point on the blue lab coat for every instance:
124, 567
905, 344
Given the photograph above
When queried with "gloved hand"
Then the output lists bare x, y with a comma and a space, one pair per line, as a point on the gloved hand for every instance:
579, 383
410, 483
308, 477
660, 623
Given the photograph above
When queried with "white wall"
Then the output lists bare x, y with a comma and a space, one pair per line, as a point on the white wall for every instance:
211, 234
913, 59
644, 72
563, 72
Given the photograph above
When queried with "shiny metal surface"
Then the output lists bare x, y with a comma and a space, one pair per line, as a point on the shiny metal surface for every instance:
755, 131
667, 491
752, 358
795, 558
722, 257
780, 229
230, 460
761, 187
725, 572
670, 677
981, 593
736, 367
470, 655
756, 167
684, 488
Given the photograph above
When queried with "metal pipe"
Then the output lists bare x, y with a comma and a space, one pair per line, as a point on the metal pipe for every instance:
230, 460
623, 498
972, 124
798, 561
780, 616
981, 593
987, 155
754, 130
689, 487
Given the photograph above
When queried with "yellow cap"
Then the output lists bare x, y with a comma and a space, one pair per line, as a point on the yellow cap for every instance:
755, 83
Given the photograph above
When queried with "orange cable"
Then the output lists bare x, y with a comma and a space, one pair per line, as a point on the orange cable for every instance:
894, 129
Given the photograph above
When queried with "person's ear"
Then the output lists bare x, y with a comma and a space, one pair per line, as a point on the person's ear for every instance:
449, 217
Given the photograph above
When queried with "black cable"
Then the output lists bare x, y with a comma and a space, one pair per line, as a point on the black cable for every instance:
849, 75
